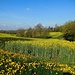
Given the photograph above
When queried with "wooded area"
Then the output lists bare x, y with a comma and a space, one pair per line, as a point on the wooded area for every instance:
39, 31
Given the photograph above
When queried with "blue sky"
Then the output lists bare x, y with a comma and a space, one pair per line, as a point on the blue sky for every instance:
15, 14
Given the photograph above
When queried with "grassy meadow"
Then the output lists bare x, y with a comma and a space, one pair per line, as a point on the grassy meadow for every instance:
36, 56
7, 35
56, 35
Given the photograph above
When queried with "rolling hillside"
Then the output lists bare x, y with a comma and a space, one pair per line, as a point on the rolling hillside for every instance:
56, 35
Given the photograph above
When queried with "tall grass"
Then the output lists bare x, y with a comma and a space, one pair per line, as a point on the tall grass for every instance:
59, 50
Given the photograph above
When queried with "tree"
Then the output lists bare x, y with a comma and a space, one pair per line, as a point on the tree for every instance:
69, 30
28, 32
61, 28
45, 33
20, 32
57, 28
49, 28
38, 30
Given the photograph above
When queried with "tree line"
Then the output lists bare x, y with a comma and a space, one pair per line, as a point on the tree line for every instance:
39, 31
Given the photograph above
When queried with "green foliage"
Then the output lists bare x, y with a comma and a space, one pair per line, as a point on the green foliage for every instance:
7, 37
38, 32
20, 32
29, 33
69, 30
45, 49
12, 63
8, 31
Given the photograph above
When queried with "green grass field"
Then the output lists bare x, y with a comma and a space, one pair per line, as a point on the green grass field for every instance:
56, 35
7, 35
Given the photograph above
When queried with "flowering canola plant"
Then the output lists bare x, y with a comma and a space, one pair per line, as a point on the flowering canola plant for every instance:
12, 63
51, 49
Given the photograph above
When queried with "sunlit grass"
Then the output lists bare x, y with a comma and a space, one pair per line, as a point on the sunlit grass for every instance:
7, 35
56, 35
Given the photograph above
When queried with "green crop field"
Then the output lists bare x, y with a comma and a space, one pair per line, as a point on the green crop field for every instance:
37, 56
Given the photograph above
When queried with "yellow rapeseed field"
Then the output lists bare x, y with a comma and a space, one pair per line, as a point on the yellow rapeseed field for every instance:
12, 63
47, 49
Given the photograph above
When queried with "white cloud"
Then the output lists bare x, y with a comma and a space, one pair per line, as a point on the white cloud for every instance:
28, 9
